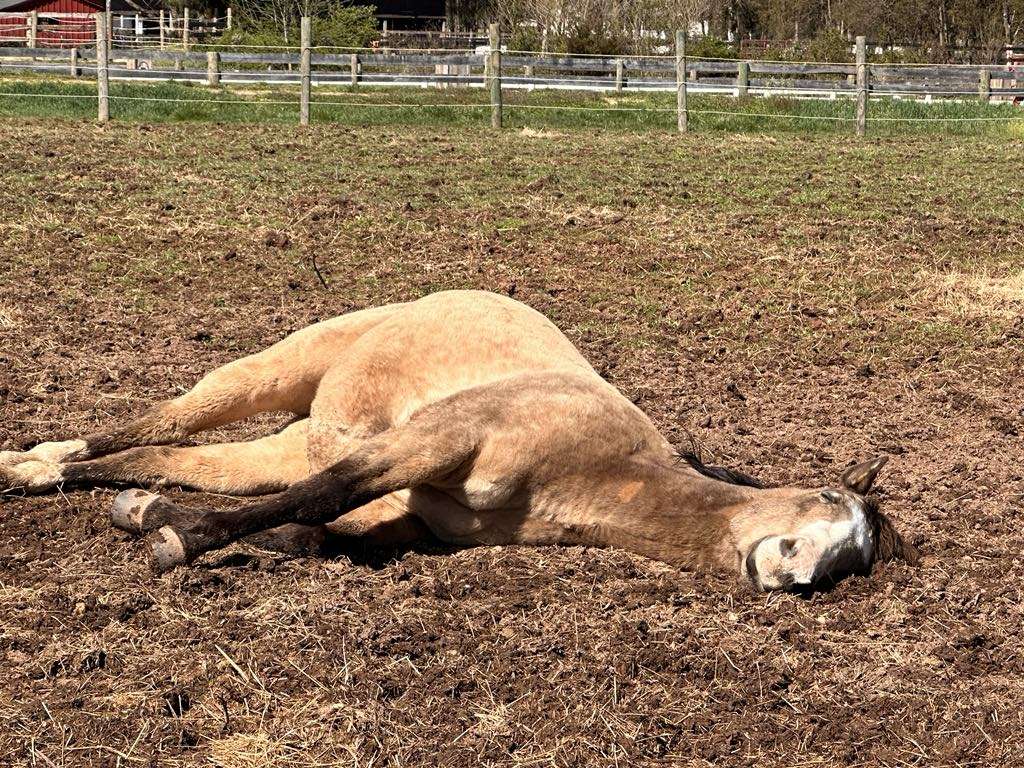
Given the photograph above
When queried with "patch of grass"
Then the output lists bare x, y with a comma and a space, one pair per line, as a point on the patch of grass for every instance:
538, 110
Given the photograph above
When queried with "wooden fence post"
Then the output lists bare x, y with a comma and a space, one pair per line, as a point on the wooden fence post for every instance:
681, 111
229, 17
184, 30
161, 29
618, 75
33, 29
743, 79
102, 73
304, 77
862, 86
354, 66
985, 86
494, 57
75, 71
212, 69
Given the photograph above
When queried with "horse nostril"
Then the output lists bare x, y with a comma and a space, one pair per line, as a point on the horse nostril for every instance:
788, 547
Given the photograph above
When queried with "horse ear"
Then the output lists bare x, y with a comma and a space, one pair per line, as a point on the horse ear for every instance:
860, 477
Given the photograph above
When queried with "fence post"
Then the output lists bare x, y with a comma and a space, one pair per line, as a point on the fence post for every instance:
212, 69
229, 17
681, 111
304, 56
862, 86
75, 71
985, 86
494, 57
184, 30
618, 75
33, 28
161, 29
743, 79
102, 74
354, 66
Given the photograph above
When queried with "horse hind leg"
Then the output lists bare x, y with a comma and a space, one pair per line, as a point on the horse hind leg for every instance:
268, 381
283, 377
272, 380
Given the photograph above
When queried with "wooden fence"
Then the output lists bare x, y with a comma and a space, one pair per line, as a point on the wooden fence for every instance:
497, 69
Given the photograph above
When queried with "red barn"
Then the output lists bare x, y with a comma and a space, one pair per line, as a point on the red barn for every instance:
63, 23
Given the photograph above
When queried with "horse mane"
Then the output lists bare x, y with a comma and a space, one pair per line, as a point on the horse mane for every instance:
889, 545
724, 474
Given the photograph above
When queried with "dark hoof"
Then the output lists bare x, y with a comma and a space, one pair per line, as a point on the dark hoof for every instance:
168, 550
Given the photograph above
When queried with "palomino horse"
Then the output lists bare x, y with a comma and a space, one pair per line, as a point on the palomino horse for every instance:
468, 415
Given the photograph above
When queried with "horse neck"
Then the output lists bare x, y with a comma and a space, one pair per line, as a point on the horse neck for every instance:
672, 513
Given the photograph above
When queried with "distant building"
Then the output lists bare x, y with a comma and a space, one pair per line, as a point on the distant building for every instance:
409, 14
64, 23
67, 22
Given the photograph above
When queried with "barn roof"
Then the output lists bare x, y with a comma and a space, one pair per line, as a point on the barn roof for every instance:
115, 5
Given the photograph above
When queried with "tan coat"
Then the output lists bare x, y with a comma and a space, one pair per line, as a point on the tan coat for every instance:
473, 415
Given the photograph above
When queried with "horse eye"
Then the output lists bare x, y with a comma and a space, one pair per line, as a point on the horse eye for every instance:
832, 497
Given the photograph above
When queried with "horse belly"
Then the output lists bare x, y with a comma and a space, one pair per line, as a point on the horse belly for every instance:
453, 521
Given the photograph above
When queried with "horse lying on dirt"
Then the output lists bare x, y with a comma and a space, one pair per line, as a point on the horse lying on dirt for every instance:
463, 414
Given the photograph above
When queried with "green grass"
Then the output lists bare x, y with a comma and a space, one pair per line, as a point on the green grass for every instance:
541, 109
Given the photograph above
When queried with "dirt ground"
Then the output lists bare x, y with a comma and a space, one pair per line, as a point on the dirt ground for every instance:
794, 304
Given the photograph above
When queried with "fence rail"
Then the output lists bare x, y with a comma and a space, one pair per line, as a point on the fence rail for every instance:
497, 69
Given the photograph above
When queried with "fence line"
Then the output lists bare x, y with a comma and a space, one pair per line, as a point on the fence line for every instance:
496, 69
884, 78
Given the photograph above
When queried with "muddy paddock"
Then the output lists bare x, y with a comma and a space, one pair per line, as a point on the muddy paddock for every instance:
792, 304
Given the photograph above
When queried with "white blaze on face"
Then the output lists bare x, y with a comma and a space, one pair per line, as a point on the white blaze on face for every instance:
815, 551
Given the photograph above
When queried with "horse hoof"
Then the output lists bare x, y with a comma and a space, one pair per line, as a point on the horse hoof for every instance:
129, 512
168, 550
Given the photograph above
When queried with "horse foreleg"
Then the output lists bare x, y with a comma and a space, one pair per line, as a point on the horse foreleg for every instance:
403, 457
382, 523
